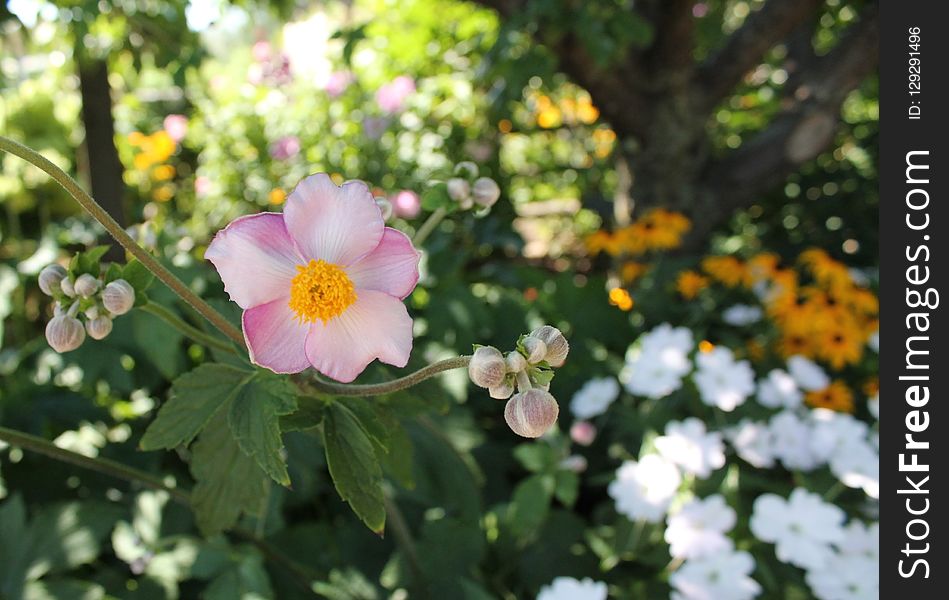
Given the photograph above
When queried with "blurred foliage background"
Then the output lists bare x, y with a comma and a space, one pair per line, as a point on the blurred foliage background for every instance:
180, 116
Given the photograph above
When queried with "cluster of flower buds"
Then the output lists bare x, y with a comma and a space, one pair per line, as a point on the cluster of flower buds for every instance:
82, 297
532, 411
469, 190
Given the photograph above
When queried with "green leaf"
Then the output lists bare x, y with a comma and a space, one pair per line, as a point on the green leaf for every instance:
228, 481
246, 579
309, 414
530, 504
113, 272
137, 275
65, 536
436, 197
195, 397
566, 487
353, 465
88, 261
13, 561
254, 418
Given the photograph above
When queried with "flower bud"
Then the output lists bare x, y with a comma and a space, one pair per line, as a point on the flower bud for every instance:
516, 362
536, 349
466, 168
92, 312
557, 346
386, 207
86, 285
50, 278
99, 327
66, 286
502, 391
532, 413
583, 433
487, 368
118, 297
459, 189
65, 333
485, 191
575, 463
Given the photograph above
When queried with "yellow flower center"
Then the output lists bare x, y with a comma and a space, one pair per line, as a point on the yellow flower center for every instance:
320, 290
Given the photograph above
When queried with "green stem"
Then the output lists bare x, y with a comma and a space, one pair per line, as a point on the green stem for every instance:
429, 226
123, 238
403, 537
188, 330
378, 389
132, 475
98, 464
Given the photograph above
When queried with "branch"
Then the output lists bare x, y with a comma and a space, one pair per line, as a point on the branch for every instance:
744, 49
670, 57
806, 126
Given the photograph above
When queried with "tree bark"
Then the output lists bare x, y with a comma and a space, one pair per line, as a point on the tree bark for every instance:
101, 156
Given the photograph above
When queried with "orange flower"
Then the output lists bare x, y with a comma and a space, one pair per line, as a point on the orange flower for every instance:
837, 396
277, 196
621, 299
841, 343
631, 271
690, 283
727, 270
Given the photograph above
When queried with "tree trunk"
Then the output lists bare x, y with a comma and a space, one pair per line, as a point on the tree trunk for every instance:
101, 155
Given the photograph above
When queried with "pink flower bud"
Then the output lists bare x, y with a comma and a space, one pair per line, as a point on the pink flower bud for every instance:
575, 463
86, 285
407, 204
516, 362
532, 413
459, 189
118, 297
502, 391
487, 368
583, 433
467, 169
65, 333
99, 327
536, 349
557, 346
66, 285
50, 279
485, 191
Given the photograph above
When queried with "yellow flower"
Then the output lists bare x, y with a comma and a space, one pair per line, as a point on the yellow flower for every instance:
727, 270
825, 269
631, 271
841, 343
837, 396
277, 196
690, 283
762, 267
597, 242
549, 117
621, 299
872, 387
163, 193
586, 112
706, 346
163, 172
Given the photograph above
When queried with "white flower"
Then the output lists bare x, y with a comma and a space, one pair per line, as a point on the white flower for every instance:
846, 578
807, 373
873, 404
857, 465
802, 527
792, 442
655, 369
779, 390
860, 539
643, 490
832, 431
723, 381
740, 315
874, 341
721, 576
568, 588
594, 397
699, 528
688, 445
753, 442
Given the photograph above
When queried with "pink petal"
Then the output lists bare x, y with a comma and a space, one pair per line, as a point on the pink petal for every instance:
335, 224
391, 268
255, 258
375, 326
275, 338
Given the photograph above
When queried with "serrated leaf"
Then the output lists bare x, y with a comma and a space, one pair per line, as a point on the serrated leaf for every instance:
245, 579
228, 481
195, 398
137, 275
254, 419
309, 414
368, 416
88, 261
113, 272
353, 465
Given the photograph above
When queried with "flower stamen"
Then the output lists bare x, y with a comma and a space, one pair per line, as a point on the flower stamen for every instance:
320, 290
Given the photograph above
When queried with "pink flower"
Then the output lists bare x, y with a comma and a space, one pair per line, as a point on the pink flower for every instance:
406, 204
285, 148
337, 83
392, 95
202, 185
176, 126
322, 284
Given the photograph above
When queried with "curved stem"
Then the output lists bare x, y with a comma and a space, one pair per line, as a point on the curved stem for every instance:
123, 238
301, 573
188, 330
429, 226
388, 387
98, 464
